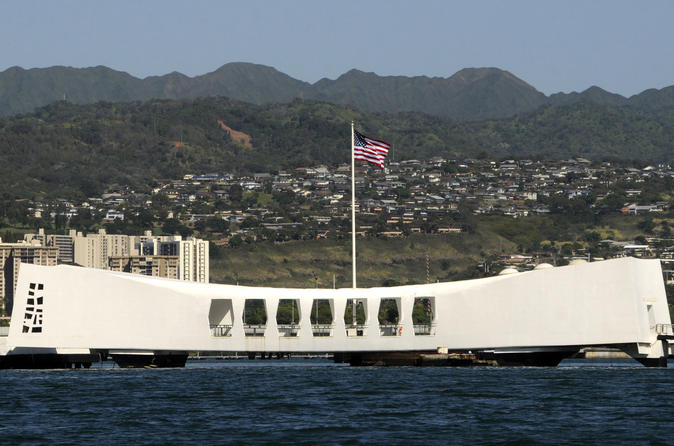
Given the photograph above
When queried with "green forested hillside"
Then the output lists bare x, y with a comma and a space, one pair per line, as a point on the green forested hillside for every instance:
65, 149
586, 129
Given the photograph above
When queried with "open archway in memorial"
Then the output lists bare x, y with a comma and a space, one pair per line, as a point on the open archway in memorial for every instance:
221, 317
389, 317
322, 320
288, 317
423, 316
356, 326
254, 317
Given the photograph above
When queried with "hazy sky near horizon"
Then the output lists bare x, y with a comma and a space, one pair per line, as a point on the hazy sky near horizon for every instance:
622, 46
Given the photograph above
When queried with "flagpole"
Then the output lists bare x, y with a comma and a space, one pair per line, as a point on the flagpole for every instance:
353, 211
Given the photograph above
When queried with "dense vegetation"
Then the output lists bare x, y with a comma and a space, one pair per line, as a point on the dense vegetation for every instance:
75, 151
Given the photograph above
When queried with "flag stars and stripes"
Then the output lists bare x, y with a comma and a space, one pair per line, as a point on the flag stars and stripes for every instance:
368, 149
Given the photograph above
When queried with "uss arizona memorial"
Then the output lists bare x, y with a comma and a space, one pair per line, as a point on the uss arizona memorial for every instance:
65, 315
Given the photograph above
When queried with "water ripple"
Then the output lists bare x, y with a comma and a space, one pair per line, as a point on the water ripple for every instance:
283, 402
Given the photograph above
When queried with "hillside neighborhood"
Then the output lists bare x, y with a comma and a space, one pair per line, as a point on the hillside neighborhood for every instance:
408, 193
412, 196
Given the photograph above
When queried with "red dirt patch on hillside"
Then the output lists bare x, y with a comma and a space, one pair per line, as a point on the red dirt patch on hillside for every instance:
236, 135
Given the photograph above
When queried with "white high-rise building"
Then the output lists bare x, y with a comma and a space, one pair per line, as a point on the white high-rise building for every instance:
64, 243
12, 255
201, 264
193, 263
95, 251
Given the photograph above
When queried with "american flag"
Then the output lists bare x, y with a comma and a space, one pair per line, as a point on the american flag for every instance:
371, 150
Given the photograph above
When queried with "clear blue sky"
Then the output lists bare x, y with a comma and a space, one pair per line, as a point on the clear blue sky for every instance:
621, 46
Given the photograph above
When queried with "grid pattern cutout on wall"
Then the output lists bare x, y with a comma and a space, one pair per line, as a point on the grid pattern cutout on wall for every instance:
32, 320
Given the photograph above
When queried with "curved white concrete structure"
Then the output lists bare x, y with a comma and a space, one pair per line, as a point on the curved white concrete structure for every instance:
618, 302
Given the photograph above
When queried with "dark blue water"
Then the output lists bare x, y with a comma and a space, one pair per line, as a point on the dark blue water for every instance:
315, 402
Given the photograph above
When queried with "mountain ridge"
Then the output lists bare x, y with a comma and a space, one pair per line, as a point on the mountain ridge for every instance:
469, 94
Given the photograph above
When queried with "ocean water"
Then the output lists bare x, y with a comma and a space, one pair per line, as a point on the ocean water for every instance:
316, 402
